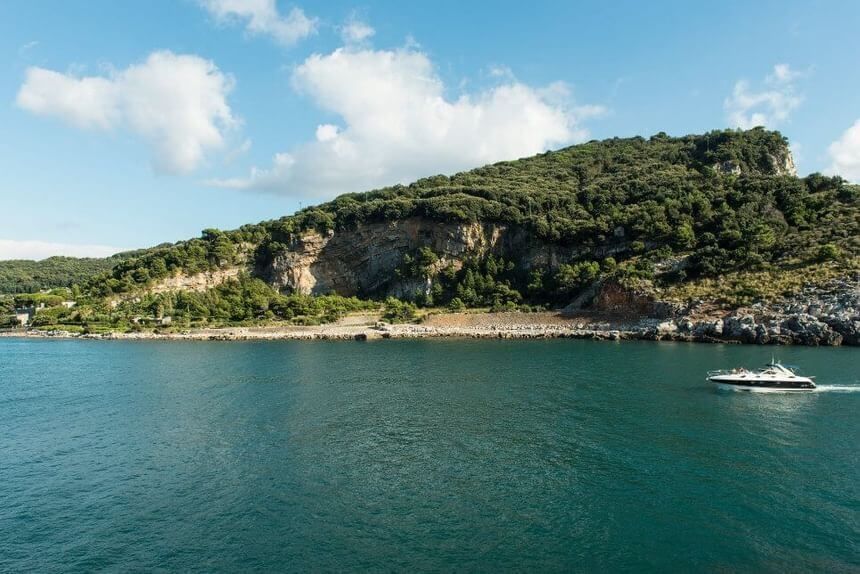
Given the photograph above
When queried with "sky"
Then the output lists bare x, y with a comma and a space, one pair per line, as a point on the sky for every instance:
129, 124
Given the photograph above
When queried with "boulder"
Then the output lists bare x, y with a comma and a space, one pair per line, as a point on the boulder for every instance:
808, 330
740, 327
848, 328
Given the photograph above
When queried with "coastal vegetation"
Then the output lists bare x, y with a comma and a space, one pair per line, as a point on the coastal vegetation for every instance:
743, 287
241, 301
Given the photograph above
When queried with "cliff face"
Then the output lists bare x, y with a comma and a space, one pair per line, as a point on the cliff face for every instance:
198, 282
363, 261
783, 163
780, 163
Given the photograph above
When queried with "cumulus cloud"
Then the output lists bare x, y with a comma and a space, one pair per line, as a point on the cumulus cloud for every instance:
14, 249
177, 103
845, 154
768, 106
396, 124
261, 17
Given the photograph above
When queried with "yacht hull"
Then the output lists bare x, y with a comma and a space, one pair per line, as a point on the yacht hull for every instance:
760, 388
763, 385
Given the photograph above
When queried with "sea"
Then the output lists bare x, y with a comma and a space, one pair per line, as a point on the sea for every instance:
423, 456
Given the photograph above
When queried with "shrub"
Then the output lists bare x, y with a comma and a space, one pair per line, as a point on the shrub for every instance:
829, 252
397, 311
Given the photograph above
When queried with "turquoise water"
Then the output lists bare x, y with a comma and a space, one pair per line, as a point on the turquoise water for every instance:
422, 455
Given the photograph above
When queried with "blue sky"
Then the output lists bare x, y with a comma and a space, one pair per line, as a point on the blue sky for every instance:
126, 124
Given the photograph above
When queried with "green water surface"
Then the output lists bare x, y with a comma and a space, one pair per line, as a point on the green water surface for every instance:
449, 455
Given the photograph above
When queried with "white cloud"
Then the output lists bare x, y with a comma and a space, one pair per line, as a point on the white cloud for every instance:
504, 72
355, 32
14, 249
177, 103
326, 132
398, 125
782, 73
261, 17
845, 154
770, 106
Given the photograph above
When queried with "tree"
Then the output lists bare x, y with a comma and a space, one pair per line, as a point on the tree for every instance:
684, 237
829, 252
398, 311
571, 278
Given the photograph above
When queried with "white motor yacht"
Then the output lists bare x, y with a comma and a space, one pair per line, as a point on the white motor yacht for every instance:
774, 377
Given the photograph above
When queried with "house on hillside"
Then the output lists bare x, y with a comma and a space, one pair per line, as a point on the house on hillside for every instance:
153, 321
24, 315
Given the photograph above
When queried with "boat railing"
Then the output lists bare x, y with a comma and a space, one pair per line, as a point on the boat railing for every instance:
728, 372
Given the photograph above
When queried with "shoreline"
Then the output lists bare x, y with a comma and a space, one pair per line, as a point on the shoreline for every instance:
465, 326
370, 334
335, 333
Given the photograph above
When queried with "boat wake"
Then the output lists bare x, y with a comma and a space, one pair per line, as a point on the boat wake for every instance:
838, 389
818, 389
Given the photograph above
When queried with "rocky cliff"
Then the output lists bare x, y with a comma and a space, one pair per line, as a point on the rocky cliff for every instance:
363, 261
198, 282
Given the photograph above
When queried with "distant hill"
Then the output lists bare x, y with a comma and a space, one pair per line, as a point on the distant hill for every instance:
28, 276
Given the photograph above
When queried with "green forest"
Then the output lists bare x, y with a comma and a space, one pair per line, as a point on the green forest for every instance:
24, 276
721, 201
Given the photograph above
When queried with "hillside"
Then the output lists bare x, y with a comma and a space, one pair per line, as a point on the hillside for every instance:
666, 217
27, 276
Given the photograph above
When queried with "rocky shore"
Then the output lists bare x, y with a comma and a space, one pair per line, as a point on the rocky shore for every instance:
818, 315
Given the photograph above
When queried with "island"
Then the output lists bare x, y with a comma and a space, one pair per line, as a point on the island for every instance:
710, 238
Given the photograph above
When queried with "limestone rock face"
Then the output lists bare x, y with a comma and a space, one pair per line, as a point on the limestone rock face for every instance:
667, 328
363, 260
783, 163
198, 282
728, 168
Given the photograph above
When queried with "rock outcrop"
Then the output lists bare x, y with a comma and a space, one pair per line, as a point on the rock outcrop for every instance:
783, 163
198, 282
823, 315
364, 260
780, 163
